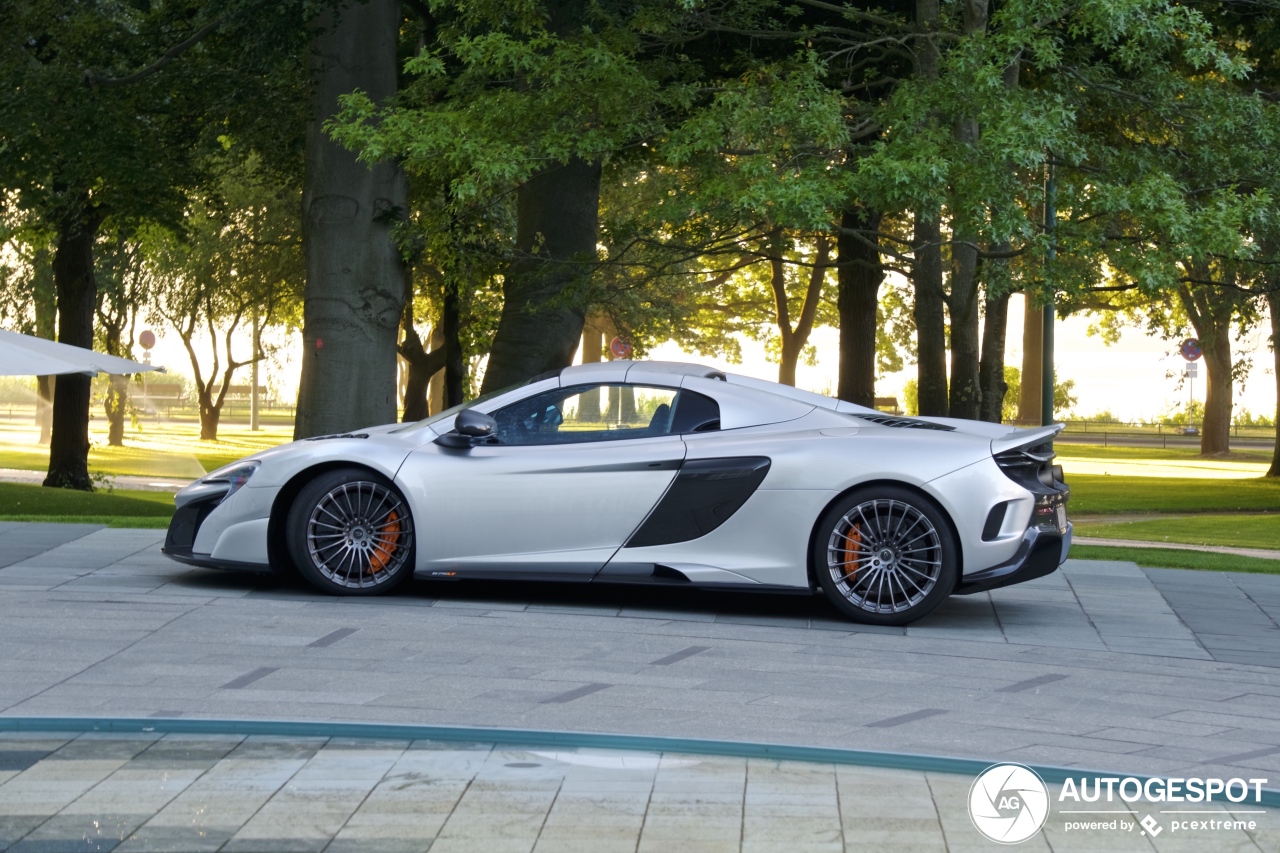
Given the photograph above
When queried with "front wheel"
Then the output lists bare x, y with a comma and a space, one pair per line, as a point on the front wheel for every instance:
350, 532
885, 556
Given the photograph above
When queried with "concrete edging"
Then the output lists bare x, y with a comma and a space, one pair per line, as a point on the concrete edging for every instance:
568, 739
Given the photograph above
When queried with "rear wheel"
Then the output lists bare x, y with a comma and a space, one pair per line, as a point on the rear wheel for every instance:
885, 556
350, 532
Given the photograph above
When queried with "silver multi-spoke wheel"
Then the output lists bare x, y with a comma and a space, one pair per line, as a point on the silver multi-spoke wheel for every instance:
884, 556
359, 534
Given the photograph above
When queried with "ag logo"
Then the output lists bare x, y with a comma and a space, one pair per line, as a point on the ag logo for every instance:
1008, 803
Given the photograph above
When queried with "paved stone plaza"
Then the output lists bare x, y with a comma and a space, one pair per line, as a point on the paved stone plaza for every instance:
250, 795
1102, 665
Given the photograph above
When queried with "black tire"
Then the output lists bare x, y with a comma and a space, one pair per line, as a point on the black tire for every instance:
904, 556
350, 532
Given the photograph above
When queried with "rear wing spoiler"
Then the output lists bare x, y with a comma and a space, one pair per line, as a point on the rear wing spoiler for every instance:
1025, 437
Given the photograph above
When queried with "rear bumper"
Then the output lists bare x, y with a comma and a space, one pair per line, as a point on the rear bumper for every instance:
1040, 553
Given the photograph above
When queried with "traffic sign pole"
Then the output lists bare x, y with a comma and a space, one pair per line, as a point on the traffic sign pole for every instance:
1191, 351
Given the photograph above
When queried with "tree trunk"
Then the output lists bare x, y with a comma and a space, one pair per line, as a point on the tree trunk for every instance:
860, 274
795, 339
455, 367
1031, 389
77, 299
966, 388
355, 274
789, 357
966, 385
991, 373
995, 329
557, 224
422, 366
114, 406
1215, 434
417, 381
931, 332
1273, 307
1210, 313
931, 338
45, 304
44, 406
435, 392
210, 415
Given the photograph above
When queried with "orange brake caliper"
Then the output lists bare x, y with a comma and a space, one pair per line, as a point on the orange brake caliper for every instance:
854, 537
383, 552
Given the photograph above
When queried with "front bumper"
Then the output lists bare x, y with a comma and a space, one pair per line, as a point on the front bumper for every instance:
1040, 553
180, 539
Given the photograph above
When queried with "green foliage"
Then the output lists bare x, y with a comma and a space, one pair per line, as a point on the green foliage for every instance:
1182, 415
1243, 417
93, 116
911, 397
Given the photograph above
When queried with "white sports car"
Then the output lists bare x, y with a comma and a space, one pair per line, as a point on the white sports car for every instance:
648, 473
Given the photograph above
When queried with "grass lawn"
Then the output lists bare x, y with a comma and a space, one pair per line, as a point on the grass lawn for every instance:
20, 502
1093, 494
167, 449
1168, 558
1071, 450
1240, 531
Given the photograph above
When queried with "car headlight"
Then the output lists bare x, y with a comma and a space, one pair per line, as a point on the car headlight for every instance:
236, 475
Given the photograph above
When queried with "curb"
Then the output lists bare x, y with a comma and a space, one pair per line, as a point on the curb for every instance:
570, 739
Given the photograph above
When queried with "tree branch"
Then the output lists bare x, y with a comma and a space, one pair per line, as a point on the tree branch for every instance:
92, 79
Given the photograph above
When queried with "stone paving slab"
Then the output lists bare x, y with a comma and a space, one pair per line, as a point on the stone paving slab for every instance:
183, 792
1102, 664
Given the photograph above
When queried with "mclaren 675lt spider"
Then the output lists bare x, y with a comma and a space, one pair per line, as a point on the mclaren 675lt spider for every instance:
648, 473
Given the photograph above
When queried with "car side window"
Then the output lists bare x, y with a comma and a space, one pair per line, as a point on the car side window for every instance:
587, 413
695, 412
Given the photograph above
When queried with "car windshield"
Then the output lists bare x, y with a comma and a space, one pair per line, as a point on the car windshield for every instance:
453, 410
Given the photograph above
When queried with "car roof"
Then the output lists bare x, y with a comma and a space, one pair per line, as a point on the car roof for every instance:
621, 370
681, 373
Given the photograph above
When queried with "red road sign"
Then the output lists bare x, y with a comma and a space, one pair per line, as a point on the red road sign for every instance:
1191, 349
147, 339
619, 348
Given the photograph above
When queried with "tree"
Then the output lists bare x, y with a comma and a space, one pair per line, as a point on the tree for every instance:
157, 83
355, 272
240, 254
122, 290
860, 273
29, 300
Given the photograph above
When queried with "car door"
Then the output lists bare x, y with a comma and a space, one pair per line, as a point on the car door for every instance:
572, 473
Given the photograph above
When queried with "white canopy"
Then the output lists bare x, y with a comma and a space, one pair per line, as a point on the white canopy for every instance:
24, 355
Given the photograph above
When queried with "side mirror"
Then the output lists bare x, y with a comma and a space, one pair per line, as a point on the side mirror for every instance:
469, 428
475, 424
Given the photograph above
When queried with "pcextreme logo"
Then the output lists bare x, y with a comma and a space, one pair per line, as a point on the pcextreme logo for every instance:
1008, 803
